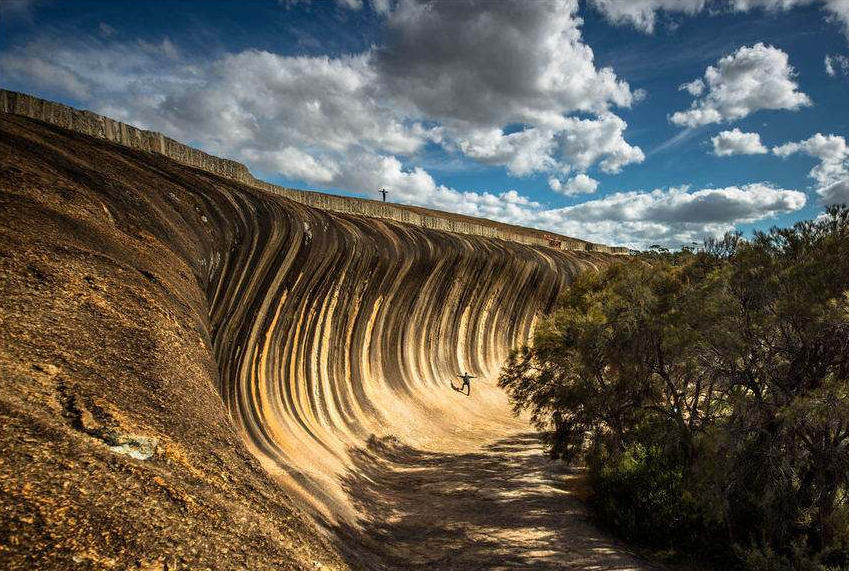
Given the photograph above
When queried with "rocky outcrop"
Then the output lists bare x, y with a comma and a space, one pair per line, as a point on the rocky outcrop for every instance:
180, 351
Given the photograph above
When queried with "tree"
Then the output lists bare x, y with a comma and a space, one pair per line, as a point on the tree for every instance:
711, 385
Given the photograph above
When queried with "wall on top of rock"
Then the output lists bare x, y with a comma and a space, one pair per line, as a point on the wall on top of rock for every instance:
103, 127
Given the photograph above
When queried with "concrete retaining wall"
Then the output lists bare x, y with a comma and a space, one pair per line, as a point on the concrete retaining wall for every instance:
105, 128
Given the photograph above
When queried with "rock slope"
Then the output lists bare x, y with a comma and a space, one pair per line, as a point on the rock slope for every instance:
191, 365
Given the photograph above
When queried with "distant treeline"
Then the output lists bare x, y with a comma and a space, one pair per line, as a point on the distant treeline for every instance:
708, 394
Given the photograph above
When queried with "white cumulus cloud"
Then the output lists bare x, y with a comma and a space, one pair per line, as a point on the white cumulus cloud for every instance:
492, 63
836, 10
578, 184
524, 152
835, 64
671, 217
480, 67
293, 163
694, 88
680, 206
573, 144
832, 171
750, 79
642, 14
674, 216
736, 142
587, 141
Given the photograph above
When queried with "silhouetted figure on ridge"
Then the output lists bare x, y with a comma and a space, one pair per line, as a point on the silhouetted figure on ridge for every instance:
384, 192
466, 378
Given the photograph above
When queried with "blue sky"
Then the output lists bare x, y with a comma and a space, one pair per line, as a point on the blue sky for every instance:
557, 114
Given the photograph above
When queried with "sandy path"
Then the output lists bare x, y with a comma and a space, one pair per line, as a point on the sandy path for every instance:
504, 506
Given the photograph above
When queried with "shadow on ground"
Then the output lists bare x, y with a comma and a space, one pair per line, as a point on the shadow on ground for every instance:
504, 507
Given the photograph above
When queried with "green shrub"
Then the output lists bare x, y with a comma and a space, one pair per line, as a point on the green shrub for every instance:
646, 496
641, 496
795, 558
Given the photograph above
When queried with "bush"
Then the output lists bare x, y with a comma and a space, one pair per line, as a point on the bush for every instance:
644, 494
795, 558
641, 496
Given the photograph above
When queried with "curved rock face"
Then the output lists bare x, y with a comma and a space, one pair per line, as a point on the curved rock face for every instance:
347, 327
160, 321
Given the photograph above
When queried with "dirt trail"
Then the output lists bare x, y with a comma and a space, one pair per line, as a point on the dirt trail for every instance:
503, 506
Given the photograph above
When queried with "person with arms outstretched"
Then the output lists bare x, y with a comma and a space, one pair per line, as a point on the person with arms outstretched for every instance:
466, 383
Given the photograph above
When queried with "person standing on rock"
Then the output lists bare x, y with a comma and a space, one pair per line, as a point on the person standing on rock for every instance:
466, 383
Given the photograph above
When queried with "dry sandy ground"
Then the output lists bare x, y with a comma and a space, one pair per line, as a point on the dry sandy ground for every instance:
502, 506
